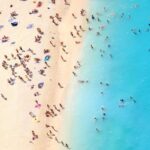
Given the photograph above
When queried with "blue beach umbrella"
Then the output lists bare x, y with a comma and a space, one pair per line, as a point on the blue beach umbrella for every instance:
30, 26
13, 22
40, 85
47, 57
1, 26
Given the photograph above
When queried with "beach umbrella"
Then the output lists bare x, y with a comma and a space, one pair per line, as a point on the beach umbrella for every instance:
13, 22
40, 85
47, 57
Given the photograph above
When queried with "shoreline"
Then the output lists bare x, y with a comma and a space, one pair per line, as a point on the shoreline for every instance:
64, 71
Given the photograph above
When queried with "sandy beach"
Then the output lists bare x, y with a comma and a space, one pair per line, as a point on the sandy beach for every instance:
38, 56
74, 75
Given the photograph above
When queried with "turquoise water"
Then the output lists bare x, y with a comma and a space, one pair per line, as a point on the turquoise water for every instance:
128, 74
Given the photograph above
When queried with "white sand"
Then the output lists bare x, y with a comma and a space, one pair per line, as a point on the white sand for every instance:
16, 123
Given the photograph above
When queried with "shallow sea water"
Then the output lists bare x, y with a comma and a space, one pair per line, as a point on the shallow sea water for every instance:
128, 74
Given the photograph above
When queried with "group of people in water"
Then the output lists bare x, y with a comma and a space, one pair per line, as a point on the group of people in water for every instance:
104, 38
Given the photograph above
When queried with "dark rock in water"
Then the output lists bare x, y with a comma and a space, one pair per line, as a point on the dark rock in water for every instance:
14, 24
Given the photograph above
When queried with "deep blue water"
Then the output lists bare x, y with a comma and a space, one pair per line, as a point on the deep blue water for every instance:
127, 72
